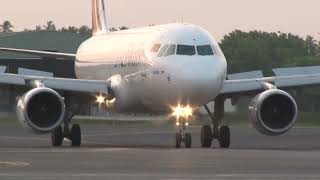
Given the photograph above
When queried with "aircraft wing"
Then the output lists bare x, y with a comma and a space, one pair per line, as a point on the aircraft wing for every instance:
40, 53
75, 85
285, 78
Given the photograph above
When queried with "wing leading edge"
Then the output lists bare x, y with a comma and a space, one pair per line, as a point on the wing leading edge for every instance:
285, 78
75, 85
40, 53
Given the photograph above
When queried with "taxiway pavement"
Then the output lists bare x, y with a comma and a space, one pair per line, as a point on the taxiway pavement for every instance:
133, 152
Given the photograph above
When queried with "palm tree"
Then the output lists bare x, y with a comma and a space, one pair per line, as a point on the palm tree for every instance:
6, 27
50, 26
38, 28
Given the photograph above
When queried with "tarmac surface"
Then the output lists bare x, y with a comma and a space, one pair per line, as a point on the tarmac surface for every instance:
133, 152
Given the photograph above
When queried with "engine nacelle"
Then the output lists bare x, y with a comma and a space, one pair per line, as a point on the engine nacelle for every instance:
273, 112
41, 110
120, 95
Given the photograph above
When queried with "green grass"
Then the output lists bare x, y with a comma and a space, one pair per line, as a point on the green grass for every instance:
308, 119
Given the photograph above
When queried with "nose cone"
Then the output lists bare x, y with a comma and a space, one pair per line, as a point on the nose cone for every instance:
199, 82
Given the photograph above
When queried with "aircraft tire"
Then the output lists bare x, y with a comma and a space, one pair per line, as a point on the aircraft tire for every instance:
206, 136
224, 137
57, 137
75, 135
178, 140
188, 140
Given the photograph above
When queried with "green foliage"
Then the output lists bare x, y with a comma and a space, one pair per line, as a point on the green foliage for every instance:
84, 30
255, 50
303, 61
6, 27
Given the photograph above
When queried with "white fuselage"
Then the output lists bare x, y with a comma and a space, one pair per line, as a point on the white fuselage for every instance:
155, 81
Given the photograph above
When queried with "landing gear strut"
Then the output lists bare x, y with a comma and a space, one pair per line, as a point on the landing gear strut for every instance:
73, 134
182, 135
218, 131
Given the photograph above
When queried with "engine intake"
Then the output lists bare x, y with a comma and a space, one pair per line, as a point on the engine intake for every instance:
41, 110
273, 112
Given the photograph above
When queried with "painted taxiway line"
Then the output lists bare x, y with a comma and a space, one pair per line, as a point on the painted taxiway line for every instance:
23, 138
8, 163
65, 150
134, 133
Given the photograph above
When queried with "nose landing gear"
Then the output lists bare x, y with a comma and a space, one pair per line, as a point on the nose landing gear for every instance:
182, 135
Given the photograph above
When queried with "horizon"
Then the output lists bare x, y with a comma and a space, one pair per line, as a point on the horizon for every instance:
288, 17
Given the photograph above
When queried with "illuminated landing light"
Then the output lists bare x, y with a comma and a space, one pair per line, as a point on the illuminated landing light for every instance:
181, 111
100, 99
177, 123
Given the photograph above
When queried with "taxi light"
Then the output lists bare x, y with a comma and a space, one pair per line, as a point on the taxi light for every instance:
177, 123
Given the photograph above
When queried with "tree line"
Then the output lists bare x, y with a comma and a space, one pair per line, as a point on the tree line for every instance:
258, 50
7, 27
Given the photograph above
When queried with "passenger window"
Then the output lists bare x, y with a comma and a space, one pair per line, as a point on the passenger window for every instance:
155, 48
186, 50
163, 50
205, 50
170, 51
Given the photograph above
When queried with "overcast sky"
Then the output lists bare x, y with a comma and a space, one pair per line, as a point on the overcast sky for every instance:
218, 16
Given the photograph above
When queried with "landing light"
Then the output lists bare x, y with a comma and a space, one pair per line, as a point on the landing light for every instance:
182, 111
100, 99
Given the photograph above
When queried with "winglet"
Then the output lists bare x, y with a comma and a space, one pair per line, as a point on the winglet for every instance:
99, 20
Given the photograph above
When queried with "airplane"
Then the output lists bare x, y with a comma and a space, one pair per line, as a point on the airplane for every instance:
172, 68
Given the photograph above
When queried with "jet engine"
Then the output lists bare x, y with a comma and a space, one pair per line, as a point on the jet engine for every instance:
273, 112
120, 98
41, 110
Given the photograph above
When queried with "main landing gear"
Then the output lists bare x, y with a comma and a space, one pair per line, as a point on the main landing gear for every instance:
182, 135
73, 134
219, 132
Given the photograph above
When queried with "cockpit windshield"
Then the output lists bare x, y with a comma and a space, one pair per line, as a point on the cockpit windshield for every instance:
170, 51
186, 50
163, 50
205, 50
